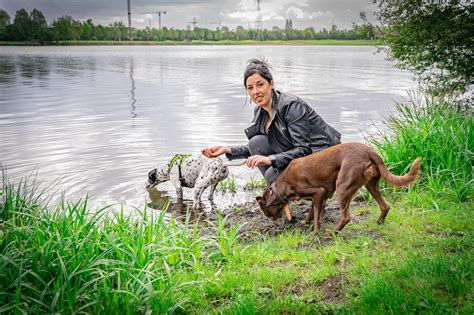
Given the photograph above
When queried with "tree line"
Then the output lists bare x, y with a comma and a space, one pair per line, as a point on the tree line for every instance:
34, 27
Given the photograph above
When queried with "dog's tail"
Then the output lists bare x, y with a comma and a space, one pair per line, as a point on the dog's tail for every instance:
234, 163
397, 181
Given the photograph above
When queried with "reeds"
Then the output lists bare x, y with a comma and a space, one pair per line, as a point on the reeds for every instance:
441, 133
70, 259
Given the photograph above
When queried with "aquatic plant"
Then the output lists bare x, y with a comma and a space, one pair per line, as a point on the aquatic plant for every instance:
254, 183
228, 184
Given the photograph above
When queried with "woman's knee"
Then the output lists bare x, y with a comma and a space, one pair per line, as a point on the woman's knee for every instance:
259, 145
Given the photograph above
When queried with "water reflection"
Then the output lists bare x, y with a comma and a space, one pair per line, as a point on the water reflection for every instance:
181, 209
132, 90
7, 70
33, 67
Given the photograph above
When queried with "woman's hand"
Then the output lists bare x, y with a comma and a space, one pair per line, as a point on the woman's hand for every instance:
258, 160
215, 151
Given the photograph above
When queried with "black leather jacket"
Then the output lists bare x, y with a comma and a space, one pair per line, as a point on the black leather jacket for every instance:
296, 130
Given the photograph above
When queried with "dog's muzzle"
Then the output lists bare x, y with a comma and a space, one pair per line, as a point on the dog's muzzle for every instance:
151, 182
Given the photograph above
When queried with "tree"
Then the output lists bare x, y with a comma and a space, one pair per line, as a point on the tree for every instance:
226, 32
87, 30
240, 32
22, 26
39, 27
37, 19
433, 39
64, 28
309, 33
122, 30
4, 22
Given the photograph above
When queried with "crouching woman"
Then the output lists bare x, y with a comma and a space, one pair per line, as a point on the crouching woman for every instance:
284, 127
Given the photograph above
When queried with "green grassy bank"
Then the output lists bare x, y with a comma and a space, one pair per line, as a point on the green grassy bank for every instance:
72, 259
202, 42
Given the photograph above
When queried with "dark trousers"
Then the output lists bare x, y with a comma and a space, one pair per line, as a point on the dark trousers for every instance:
259, 145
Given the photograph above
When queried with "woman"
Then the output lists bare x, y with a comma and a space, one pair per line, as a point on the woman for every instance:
284, 127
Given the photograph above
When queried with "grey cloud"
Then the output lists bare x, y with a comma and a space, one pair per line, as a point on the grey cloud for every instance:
315, 13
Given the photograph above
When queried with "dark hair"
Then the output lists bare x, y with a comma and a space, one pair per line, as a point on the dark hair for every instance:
260, 66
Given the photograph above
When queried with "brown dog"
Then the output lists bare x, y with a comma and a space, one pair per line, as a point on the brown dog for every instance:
343, 169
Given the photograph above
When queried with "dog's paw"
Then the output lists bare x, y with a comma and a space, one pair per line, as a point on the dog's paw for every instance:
329, 232
380, 221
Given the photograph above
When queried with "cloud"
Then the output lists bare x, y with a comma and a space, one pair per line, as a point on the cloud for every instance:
277, 10
304, 13
295, 13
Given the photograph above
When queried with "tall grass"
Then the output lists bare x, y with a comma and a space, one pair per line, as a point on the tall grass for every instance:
441, 133
69, 259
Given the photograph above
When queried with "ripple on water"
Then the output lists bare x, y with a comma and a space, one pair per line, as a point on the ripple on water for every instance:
99, 118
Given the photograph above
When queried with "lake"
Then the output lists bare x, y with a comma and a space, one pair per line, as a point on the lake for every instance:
98, 118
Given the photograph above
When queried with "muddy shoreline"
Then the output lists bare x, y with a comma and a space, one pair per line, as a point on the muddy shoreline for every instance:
254, 225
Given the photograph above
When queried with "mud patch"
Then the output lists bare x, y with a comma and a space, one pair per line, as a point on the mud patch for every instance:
330, 290
254, 225
333, 288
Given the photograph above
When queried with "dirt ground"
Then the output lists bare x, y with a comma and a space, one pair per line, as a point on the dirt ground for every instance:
254, 224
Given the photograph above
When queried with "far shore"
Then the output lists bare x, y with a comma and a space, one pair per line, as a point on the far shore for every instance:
327, 42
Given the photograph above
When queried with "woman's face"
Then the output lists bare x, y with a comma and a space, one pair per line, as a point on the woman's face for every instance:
259, 90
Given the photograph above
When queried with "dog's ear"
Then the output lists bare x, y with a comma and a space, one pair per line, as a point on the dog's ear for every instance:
270, 191
152, 172
260, 201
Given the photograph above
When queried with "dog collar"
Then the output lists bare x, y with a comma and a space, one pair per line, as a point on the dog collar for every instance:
276, 193
281, 201
180, 159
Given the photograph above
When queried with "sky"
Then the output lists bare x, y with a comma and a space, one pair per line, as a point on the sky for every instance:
208, 13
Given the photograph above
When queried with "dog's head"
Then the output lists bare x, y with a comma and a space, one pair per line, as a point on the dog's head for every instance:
270, 204
156, 176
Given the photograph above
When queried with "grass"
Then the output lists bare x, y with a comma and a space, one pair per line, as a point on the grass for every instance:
228, 184
441, 132
254, 183
70, 258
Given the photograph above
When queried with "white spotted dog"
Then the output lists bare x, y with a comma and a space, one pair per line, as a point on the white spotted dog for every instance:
192, 171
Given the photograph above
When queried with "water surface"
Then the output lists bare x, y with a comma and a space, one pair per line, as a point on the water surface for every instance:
100, 118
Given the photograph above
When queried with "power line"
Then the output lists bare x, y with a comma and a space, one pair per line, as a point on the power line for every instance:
258, 21
159, 16
129, 14
193, 22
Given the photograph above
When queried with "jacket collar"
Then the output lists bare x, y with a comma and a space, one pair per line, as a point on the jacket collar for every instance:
275, 102
275, 105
